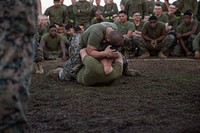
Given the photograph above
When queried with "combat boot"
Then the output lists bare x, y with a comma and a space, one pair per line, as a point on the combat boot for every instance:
127, 71
132, 73
54, 72
145, 55
197, 55
36, 68
161, 55
39, 68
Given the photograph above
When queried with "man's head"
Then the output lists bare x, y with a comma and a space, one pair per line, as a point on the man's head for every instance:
187, 17
98, 2
52, 30
157, 9
56, 3
73, 1
99, 15
116, 39
172, 9
69, 29
115, 17
136, 16
153, 22
62, 1
123, 16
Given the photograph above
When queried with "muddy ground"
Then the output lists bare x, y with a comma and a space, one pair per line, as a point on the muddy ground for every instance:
165, 99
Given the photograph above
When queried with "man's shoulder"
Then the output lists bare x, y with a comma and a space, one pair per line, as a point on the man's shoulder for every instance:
109, 24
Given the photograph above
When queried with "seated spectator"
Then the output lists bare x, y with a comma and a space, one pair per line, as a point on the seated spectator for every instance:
154, 39
51, 44
138, 23
196, 46
126, 28
137, 34
115, 18
98, 17
171, 28
186, 33
173, 21
160, 15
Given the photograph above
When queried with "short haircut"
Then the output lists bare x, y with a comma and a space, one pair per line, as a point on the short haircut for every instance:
153, 18
136, 12
77, 28
158, 4
98, 12
56, 0
188, 12
124, 12
116, 38
52, 26
68, 26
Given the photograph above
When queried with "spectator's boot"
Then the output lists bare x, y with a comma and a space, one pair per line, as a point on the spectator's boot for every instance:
161, 55
36, 68
144, 56
197, 55
39, 68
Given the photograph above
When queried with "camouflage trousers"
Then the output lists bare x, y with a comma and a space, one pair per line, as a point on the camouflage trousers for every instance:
188, 42
74, 63
18, 24
163, 46
72, 66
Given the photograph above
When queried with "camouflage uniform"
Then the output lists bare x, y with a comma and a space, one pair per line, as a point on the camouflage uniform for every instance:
18, 24
163, 46
74, 63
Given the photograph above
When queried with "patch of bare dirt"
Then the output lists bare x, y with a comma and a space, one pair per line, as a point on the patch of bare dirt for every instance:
165, 99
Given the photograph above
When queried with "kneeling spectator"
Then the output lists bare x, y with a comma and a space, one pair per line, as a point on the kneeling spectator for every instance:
52, 44
154, 39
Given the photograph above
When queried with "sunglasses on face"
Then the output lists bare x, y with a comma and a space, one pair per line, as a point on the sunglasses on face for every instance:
114, 16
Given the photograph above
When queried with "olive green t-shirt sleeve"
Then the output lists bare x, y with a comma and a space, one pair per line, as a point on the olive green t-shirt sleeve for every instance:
95, 38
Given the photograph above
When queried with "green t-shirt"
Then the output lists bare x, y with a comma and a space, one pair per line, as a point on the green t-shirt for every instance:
125, 28
71, 13
56, 15
153, 33
136, 5
110, 9
139, 27
163, 18
52, 44
92, 73
95, 34
184, 28
173, 21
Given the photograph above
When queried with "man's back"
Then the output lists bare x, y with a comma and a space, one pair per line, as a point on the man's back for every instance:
94, 35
